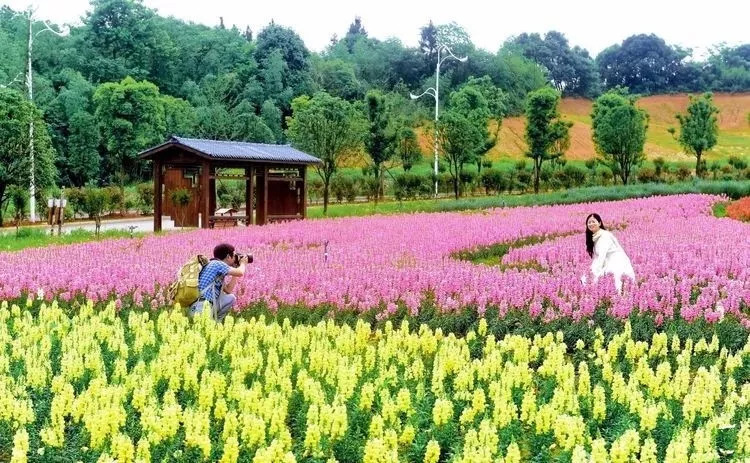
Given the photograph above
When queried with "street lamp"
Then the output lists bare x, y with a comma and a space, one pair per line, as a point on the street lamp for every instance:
435, 93
29, 14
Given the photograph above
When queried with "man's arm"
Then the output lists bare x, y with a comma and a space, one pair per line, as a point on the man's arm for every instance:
234, 272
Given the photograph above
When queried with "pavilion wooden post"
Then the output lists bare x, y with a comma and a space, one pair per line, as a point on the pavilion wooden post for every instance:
265, 194
205, 192
212, 189
303, 204
249, 194
157, 196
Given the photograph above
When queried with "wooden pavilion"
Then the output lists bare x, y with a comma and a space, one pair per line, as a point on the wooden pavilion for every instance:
274, 177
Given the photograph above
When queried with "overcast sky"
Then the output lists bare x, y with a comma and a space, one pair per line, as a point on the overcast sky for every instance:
593, 25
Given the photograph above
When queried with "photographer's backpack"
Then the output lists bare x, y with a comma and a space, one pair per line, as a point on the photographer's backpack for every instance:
185, 289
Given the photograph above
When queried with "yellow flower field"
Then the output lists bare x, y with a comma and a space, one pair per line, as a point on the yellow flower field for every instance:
138, 386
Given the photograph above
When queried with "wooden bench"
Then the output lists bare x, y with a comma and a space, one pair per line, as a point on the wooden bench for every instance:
282, 218
225, 221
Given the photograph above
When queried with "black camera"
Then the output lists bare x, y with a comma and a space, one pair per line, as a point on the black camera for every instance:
238, 257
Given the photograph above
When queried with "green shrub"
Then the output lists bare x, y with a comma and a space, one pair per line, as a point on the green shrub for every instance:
647, 175
114, 199
737, 163
145, 193
410, 186
76, 200
343, 187
494, 180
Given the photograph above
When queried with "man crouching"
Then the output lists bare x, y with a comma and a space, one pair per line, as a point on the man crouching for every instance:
212, 283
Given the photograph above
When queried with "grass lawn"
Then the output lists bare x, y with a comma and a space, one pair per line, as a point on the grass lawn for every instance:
38, 237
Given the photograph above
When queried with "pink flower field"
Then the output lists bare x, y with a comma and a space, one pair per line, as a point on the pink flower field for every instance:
683, 258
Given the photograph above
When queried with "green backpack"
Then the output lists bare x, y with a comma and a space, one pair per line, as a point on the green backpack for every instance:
185, 290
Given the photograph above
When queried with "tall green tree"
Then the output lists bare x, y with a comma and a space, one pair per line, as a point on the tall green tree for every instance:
271, 116
407, 147
516, 76
699, 128
74, 131
121, 38
16, 113
496, 110
248, 126
547, 134
356, 30
619, 132
643, 64
180, 117
428, 43
131, 119
280, 45
83, 161
570, 70
470, 102
327, 127
460, 139
379, 140
337, 77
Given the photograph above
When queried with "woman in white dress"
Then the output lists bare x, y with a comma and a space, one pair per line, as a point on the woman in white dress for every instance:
606, 252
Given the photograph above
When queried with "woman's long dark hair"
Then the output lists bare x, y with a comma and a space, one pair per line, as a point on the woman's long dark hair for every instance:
590, 236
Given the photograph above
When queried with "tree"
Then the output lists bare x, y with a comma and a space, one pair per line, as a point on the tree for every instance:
407, 147
698, 128
496, 109
547, 135
728, 68
329, 128
459, 139
248, 126
180, 117
19, 197
287, 42
642, 64
131, 119
95, 201
271, 116
619, 132
379, 142
83, 161
294, 56
356, 30
337, 77
121, 38
74, 131
428, 45
571, 70
16, 113
214, 122
428, 42
516, 76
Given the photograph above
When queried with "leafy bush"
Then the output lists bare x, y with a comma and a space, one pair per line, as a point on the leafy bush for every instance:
343, 187
76, 200
368, 185
647, 175
494, 180
145, 192
737, 163
114, 199
410, 186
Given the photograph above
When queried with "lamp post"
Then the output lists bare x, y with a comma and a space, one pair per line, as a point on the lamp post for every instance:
29, 14
435, 93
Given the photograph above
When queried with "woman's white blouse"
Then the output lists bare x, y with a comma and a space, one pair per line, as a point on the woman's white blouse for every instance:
609, 257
